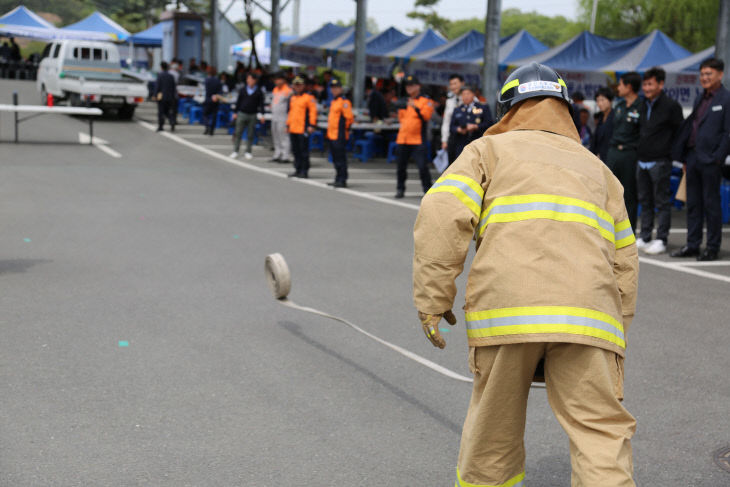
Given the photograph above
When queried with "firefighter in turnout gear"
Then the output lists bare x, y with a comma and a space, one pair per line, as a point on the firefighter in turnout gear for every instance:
551, 289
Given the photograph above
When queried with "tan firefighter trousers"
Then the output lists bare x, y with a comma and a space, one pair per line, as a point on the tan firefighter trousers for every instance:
584, 388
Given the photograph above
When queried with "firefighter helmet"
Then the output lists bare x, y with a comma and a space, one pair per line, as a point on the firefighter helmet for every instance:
531, 81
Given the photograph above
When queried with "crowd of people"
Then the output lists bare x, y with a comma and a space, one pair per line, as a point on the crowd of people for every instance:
637, 131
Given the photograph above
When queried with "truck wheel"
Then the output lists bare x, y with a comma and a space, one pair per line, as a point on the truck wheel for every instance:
126, 112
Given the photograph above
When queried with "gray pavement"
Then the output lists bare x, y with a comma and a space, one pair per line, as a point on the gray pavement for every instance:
141, 346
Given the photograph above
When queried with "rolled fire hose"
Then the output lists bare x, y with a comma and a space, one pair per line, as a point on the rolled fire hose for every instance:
279, 278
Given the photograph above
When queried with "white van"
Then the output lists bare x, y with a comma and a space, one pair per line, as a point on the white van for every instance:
88, 73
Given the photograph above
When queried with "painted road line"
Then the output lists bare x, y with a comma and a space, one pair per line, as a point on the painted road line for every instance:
685, 269
716, 263
99, 143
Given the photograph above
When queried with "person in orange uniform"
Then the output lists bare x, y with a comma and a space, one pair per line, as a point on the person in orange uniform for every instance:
338, 126
413, 116
301, 122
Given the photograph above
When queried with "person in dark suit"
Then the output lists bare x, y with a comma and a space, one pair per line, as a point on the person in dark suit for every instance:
377, 107
213, 89
166, 96
703, 144
604, 126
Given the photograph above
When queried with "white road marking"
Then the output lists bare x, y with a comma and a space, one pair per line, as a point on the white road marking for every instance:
99, 143
685, 269
382, 197
716, 263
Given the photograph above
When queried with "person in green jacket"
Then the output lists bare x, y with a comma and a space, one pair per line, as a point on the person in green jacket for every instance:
622, 154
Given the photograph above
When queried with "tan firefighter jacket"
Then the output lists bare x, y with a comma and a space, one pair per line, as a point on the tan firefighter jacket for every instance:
555, 260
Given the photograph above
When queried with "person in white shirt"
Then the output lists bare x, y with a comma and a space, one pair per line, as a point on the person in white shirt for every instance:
456, 82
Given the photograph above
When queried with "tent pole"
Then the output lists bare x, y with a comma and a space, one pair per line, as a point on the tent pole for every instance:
491, 54
275, 48
722, 39
593, 16
358, 81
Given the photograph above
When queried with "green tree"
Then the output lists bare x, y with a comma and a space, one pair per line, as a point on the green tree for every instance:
691, 24
429, 16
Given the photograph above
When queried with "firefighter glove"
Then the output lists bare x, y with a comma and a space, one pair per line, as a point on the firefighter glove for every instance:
431, 329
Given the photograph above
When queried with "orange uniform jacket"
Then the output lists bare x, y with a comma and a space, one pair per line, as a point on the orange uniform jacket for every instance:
340, 119
302, 112
413, 121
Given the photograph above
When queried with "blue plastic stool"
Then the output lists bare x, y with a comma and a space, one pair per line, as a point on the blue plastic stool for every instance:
196, 115
725, 201
391, 151
222, 118
316, 140
185, 105
364, 149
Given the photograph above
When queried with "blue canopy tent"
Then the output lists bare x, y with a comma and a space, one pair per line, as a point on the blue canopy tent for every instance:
519, 45
690, 63
465, 55
306, 49
151, 37
380, 44
375, 49
98, 22
654, 49
21, 22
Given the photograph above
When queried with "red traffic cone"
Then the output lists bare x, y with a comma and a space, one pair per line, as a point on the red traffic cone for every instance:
49, 100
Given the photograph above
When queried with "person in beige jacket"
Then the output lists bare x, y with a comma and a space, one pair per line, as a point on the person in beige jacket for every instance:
551, 290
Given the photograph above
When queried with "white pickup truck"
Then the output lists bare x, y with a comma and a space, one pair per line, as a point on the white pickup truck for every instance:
87, 73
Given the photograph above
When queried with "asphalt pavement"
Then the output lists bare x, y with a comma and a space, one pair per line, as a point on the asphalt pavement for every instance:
140, 345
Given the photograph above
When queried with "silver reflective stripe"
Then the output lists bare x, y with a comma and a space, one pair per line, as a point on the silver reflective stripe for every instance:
465, 188
545, 206
624, 233
545, 320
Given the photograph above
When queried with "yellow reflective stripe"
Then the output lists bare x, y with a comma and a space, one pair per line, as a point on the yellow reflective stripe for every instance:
624, 234
549, 198
561, 82
467, 190
549, 215
545, 319
594, 218
511, 84
515, 481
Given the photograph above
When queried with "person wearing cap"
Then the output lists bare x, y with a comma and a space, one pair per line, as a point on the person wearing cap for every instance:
279, 112
338, 126
413, 115
469, 121
301, 121
551, 291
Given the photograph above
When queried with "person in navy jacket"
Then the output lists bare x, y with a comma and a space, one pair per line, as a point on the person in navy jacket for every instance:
703, 143
469, 121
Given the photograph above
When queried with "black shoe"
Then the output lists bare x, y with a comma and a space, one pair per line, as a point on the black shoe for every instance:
707, 255
293, 175
172, 128
206, 132
399, 194
210, 132
275, 159
340, 184
685, 251
159, 129
332, 183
